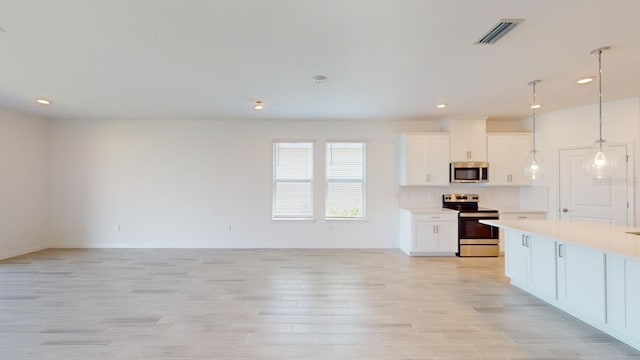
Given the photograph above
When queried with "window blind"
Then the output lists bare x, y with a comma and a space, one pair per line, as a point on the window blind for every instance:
292, 180
345, 180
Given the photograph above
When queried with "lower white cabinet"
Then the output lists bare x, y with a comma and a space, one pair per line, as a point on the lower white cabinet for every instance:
599, 288
424, 234
436, 236
581, 280
623, 296
530, 262
632, 301
543, 270
518, 215
516, 257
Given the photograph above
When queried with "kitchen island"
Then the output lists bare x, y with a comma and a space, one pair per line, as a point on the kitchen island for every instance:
589, 269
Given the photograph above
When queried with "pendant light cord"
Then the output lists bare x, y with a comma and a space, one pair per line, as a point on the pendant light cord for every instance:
534, 117
600, 95
599, 52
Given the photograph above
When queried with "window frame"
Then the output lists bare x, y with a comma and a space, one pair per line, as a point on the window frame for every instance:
275, 181
363, 181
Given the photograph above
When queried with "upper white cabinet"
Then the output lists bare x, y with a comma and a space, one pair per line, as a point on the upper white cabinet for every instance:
424, 159
507, 154
468, 139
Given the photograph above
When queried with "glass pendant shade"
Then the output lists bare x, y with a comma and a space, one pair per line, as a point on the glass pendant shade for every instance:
600, 163
534, 166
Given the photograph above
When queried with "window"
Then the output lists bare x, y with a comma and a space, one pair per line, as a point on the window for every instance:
345, 180
292, 180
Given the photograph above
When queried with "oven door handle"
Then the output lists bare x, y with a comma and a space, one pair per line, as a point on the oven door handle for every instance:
480, 215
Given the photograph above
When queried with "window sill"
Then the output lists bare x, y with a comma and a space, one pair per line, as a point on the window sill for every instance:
294, 219
363, 219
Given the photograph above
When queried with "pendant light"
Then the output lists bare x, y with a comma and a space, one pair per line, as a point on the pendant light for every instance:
533, 168
600, 164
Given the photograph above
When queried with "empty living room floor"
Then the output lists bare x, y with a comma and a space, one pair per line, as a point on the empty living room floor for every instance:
278, 304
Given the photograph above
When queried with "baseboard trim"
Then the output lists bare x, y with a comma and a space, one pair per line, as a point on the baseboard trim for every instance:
202, 246
9, 255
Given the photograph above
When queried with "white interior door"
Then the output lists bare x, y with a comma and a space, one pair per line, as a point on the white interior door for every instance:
586, 198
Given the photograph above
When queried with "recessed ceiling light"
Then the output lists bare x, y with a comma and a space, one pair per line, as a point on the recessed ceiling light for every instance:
441, 106
258, 105
536, 106
319, 79
585, 80
44, 102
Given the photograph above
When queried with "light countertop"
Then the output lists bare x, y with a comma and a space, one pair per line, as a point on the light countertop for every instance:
434, 210
520, 211
611, 238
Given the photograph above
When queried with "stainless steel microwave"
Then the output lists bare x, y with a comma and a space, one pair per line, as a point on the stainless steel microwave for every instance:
469, 172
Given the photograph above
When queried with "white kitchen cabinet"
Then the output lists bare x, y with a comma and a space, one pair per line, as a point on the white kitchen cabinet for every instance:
632, 300
623, 296
468, 139
531, 263
424, 234
507, 154
543, 266
616, 292
424, 159
518, 214
516, 257
581, 280
435, 237
595, 273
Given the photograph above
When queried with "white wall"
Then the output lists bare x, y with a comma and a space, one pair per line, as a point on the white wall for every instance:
579, 127
24, 183
180, 183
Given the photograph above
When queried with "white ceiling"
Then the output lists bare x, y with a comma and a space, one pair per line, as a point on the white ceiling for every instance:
385, 59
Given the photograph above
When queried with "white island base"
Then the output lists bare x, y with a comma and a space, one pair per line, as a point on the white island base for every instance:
590, 270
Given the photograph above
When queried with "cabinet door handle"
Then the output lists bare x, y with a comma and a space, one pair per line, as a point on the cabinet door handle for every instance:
435, 217
560, 250
523, 241
437, 229
522, 217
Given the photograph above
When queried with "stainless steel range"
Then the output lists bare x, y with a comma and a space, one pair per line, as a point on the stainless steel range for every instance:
474, 239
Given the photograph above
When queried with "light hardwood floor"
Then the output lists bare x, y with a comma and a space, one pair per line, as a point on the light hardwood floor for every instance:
275, 304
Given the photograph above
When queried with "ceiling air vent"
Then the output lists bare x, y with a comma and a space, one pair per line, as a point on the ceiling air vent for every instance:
498, 31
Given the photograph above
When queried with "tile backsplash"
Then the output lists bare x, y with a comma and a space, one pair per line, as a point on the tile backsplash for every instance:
492, 197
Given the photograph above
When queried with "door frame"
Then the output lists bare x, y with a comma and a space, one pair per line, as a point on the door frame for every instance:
629, 181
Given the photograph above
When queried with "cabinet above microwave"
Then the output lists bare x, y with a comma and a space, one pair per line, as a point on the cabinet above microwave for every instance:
468, 139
